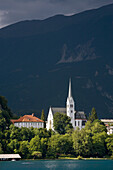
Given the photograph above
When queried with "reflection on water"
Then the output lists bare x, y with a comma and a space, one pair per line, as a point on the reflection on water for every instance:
27, 163
51, 164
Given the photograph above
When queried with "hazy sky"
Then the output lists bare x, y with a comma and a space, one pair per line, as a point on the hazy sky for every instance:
12, 11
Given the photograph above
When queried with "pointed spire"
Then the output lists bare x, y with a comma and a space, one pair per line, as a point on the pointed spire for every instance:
69, 94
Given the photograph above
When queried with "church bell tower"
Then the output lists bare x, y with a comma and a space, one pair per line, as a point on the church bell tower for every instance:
70, 106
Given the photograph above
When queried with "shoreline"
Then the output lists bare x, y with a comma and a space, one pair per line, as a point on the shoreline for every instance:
69, 158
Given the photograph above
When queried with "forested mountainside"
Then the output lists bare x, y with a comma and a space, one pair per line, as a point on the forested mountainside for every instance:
38, 57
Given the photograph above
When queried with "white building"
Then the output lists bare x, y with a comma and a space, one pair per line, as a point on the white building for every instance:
28, 121
109, 125
78, 118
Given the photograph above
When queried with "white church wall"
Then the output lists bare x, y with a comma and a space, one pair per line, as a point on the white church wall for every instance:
49, 124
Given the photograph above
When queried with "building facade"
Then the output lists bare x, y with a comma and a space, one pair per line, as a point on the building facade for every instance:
78, 118
109, 125
28, 121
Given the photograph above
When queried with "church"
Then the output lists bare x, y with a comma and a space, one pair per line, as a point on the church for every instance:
78, 118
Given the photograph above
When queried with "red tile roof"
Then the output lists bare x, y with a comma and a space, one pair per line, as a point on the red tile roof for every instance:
27, 118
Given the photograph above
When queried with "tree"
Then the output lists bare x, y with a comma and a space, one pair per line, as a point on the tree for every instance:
43, 147
42, 133
26, 133
4, 114
65, 144
3, 103
59, 144
15, 132
98, 140
61, 123
14, 144
93, 115
97, 126
2, 124
36, 154
34, 144
1, 151
109, 143
90, 141
82, 142
23, 149
98, 133
43, 118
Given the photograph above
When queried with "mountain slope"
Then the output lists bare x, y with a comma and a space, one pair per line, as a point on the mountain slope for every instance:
38, 57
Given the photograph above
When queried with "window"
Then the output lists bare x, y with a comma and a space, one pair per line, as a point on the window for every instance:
75, 123
71, 105
71, 111
83, 123
78, 123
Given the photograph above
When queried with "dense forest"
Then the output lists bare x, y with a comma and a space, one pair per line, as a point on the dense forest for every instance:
91, 141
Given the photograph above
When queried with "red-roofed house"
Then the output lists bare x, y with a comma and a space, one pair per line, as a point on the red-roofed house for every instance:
28, 121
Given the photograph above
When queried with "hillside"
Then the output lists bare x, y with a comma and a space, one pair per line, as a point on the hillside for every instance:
38, 57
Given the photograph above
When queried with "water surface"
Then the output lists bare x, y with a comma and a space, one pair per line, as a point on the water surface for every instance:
57, 164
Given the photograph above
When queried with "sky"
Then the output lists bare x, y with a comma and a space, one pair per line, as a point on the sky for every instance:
12, 11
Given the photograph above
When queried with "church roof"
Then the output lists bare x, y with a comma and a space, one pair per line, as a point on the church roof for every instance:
58, 109
27, 118
69, 93
80, 115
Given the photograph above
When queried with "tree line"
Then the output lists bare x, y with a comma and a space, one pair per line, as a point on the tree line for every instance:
91, 141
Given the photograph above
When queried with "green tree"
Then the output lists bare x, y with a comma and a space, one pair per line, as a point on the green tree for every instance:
59, 144
14, 144
3, 103
24, 149
43, 118
93, 115
1, 151
53, 149
99, 147
35, 144
42, 133
61, 123
82, 142
109, 143
26, 133
98, 132
15, 132
37, 154
4, 114
65, 144
90, 141
43, 147
2, 124
97, 127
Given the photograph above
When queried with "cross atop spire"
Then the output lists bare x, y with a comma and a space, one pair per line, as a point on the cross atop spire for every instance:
69, 94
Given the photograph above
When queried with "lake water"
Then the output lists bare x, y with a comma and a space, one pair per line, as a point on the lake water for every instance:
57, 164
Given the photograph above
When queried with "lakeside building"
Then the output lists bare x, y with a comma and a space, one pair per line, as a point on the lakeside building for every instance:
109, 125
28, 121
78, 118
7, 157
